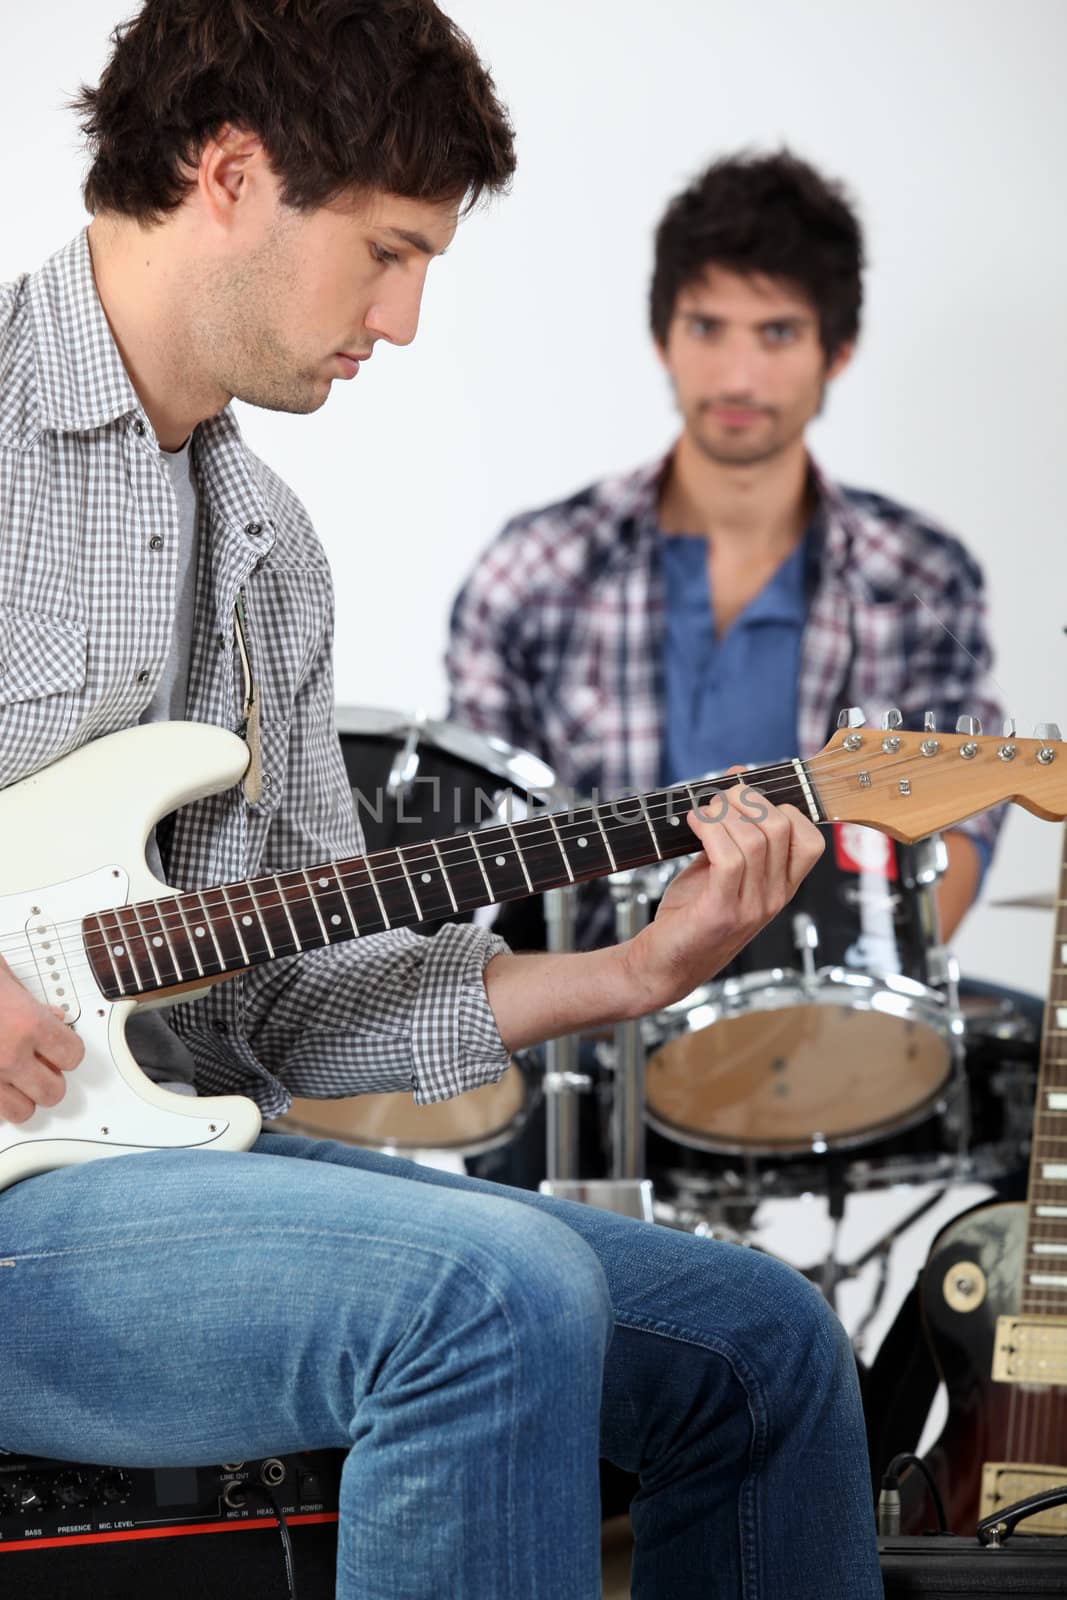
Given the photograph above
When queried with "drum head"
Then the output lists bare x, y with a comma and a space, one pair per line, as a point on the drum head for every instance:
795, 1077
470, 1123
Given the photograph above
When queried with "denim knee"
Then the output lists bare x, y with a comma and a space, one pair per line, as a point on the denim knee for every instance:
550, 1282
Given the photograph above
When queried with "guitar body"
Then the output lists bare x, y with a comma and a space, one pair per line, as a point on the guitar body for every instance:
74, 842
972, 1278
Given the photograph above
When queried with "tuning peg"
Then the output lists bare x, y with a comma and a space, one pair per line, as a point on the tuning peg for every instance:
929, 722
851, 718
969, 725
1009, 727
1047, 731
892, 719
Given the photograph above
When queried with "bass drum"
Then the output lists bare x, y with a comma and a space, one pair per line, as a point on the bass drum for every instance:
836, 1025
415, 779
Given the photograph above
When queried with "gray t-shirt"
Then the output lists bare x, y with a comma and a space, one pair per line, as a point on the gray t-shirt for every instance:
155, 1046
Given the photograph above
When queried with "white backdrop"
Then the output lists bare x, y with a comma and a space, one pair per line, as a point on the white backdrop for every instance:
532, 371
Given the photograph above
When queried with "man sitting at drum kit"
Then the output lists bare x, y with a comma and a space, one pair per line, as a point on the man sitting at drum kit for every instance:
720, 605
270, 179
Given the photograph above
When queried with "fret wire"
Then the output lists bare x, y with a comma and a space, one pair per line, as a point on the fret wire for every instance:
444, 874
288, 913
490, 891
411, 886
522, 859
347, 901
236, 929
147, 945
603, 835
164, 935
223, 963
189, 937
262, 918
377, 896
315, 905
563, 853
111, 954
652, 832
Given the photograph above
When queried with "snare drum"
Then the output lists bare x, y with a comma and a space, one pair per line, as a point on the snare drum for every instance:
836, 1025
469, 1124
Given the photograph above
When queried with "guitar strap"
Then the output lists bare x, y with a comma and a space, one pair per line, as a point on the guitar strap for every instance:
249, 728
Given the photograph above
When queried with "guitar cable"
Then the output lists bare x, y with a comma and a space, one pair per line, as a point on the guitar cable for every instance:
889, 1498
283, 1529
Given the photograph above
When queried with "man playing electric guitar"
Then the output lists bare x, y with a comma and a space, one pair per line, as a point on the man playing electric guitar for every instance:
269, 182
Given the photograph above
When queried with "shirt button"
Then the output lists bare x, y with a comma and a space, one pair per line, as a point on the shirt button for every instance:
267, 780
138, 428
156, 542
142, 677
253, 529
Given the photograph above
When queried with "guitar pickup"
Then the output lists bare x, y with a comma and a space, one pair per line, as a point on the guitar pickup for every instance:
1004, 1482
1030, 1350
52, 969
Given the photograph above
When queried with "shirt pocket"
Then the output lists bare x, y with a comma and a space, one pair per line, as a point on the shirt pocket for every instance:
42, 676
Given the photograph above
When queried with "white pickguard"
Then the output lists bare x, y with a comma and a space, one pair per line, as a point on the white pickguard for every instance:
74, 837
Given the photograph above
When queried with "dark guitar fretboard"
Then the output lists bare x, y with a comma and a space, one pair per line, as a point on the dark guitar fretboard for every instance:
1044, 1285
158, 944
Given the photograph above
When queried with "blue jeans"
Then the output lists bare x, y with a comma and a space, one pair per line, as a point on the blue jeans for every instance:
473, 1348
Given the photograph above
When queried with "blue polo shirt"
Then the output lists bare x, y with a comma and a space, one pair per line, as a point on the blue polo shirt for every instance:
732, 699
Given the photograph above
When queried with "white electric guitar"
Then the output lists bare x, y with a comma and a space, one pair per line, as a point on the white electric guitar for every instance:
85, 926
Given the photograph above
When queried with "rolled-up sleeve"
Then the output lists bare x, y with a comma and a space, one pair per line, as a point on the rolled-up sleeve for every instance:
388, 1011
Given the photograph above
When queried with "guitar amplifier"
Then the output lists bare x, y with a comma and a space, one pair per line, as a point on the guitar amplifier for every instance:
71, 1531
946, 1566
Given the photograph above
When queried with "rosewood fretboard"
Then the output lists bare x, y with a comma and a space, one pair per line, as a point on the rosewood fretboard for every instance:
1044, 1285
158, 944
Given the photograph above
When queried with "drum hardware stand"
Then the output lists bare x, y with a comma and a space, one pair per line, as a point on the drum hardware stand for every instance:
880, 1252
806, 941
627, 1191
563, 1084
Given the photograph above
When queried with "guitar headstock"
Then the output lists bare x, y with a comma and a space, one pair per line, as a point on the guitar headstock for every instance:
912, 784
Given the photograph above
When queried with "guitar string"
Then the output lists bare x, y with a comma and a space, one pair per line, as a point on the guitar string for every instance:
461, 845
451, 848
457, 847
1029, 1423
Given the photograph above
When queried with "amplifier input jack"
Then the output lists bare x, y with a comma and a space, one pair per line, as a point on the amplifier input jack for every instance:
234, 1497
272, 1472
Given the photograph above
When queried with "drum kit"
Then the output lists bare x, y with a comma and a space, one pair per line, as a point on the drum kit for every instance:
833, 1056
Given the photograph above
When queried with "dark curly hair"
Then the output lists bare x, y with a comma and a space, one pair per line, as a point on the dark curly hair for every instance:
768, 214
346, 95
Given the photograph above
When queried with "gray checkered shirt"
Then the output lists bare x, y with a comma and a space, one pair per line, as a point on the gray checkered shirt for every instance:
88, 571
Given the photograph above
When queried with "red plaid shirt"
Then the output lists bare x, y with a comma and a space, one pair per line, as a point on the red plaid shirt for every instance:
556, 639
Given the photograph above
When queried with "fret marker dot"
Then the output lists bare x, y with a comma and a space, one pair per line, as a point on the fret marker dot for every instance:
158, 942
674, 822
426, 877
324, 883
335, 919
582, 843
119, 950
199, 932
499, 860
246, 922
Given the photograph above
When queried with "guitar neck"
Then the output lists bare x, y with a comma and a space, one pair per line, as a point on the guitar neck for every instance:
1044, 1286
158, 944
